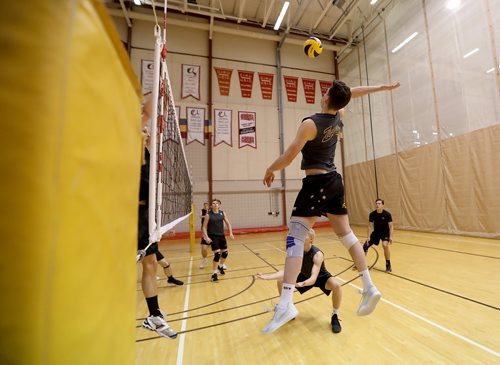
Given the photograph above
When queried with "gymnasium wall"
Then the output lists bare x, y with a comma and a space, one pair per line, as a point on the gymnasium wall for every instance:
429, 148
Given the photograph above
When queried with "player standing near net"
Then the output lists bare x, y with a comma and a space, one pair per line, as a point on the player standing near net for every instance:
155, 321
380, 227
213, 233
313, 273
204, 244
322, 193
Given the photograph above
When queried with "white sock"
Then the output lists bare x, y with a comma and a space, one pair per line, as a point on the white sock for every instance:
335, 311
367, 280
286, 295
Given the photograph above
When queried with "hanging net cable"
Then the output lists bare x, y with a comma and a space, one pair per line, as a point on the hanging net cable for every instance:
170, 183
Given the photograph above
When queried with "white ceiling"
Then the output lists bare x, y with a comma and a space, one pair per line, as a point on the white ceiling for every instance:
333, 21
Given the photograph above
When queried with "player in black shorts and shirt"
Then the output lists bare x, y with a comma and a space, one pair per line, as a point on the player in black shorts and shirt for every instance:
380, 228
322, 193
313, 273
213, 233
204, 245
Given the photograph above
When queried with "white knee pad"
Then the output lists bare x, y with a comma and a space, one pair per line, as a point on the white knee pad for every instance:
349, 240
297, 233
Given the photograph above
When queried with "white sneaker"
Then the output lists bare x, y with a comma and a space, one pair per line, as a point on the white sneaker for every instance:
281, 316
203, 263
224, 266
159, 325
369, 301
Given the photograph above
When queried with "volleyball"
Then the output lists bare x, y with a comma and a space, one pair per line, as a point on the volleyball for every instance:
313, 47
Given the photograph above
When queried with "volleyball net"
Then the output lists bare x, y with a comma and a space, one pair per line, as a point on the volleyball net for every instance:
170, 189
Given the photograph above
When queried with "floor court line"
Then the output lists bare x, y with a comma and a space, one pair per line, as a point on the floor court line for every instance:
434, 324
180, 349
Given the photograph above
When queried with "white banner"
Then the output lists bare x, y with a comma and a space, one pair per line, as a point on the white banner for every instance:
190, 81
247, 129
147, 67
195, 125
223, 126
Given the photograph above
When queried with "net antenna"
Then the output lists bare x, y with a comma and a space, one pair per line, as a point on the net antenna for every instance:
170, 182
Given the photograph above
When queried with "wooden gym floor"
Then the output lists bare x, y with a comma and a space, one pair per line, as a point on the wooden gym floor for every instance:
440, 305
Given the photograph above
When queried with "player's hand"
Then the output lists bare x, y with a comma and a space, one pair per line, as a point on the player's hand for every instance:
208, 240
231, 236
301, 284
391, 87
260, 276
140, 255
390, 241
268, 178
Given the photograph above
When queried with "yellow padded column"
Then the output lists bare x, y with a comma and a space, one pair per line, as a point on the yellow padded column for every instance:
70, 165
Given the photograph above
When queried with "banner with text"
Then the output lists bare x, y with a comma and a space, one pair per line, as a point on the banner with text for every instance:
223, 126
266, 85
190, 81
195, 125
224, 79
324, 86
246, 83
247, 129
309, 86
147, 69
291, 85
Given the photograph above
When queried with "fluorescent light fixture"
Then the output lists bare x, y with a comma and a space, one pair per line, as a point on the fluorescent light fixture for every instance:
137, 2
490, 70
471, 52
451, 134
373, 2
414, 131
453, 4
435, 133
401, 45
282, 15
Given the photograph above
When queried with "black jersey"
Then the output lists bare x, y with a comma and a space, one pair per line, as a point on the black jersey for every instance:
203, 214
144, 187
380, 220
320, 152
216, 223
308, 263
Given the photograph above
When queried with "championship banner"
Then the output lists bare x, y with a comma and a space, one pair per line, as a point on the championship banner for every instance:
247, 132
246, 83
190, 81
309, 86
223, 127
291, 85
224, 79
195, 125
324, 86
266, 85
147, 67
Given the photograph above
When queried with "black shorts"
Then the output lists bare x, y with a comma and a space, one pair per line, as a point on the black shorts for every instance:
159, 255
320, 283
218, 242
376, 237
143, 232
320, 194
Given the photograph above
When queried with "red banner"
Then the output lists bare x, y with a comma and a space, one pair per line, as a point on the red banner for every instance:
291, 85
324, 86
246, 82
266, 85
224, 79
309, 90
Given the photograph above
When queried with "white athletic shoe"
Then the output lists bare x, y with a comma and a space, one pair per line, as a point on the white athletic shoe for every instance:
224, 266
159, 325
281, 316
203, 263
369, 301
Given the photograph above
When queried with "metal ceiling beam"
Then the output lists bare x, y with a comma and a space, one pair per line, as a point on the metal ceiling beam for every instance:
267, 13
124, 9
336, 27
241, 10
325, 10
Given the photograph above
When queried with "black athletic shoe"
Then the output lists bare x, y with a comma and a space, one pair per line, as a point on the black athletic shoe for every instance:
336, 327
221, 270
174, 281
388, 268
214, 277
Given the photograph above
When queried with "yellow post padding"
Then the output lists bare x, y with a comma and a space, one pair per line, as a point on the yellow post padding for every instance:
70, 165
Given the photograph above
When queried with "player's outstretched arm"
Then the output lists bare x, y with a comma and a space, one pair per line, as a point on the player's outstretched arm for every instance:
360, 91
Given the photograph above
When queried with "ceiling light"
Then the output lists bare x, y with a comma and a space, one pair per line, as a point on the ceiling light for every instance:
471, 52
373, 2
490, 70
137, 2
282, 15
401, 45
453, 4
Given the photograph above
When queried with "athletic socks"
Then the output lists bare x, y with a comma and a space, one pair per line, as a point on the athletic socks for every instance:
286, 295
367, 280
154, 309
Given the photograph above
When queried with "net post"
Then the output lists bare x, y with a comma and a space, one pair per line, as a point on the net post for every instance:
192, 232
